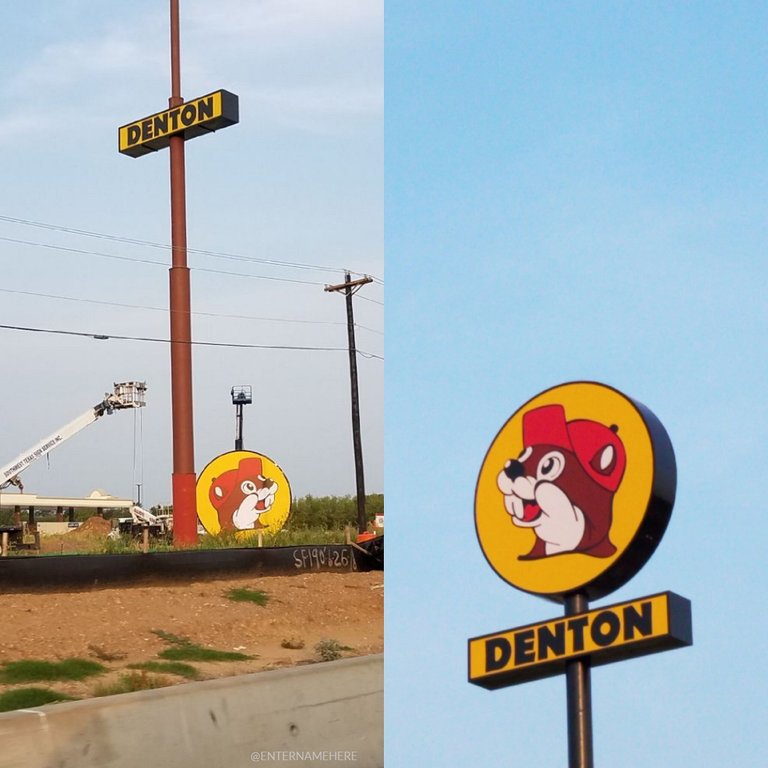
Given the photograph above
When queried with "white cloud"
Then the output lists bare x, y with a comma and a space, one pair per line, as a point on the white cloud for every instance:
108, 51
14, 126
317, 110
70, 64
299, 60
276, 19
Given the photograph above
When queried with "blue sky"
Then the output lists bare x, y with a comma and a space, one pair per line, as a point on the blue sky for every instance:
298, 180
575, 191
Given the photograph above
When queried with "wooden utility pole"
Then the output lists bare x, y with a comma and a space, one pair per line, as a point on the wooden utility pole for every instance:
350, 287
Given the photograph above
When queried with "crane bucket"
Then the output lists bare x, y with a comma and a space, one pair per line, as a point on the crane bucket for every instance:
128, 394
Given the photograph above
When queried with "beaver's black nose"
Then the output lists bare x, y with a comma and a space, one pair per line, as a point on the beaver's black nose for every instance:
514, 469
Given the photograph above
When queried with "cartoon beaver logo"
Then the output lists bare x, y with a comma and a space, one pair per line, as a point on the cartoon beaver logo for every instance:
240, 496
563, 483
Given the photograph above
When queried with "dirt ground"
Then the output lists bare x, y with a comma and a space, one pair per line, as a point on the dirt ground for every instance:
117, 623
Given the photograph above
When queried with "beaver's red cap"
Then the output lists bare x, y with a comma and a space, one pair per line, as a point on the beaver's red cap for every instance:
229, 482
587, 439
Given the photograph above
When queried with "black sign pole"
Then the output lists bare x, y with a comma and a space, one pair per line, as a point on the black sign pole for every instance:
579, 697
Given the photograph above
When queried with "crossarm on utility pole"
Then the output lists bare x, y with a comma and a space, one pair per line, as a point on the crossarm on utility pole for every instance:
350, 284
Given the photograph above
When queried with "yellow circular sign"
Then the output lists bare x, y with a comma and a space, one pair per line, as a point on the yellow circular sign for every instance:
575, 492
243, 492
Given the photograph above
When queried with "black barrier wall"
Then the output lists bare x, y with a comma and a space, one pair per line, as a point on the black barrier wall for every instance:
64, 571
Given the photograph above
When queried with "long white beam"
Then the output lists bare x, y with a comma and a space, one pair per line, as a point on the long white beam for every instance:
8, 500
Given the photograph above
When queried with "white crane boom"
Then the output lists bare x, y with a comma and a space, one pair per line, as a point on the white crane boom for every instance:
128, 394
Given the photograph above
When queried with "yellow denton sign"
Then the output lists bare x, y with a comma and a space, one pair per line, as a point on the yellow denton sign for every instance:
192, 118
626, 630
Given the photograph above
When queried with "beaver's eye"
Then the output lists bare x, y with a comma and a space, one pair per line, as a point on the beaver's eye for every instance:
248, 487
525, 454
550, 466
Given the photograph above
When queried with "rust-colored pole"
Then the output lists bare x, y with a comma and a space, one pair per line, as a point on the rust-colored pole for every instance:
184, 503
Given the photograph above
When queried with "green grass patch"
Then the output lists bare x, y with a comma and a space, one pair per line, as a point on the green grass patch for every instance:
194, 652
120, 546
35, 670
27, 698
288, 537
168, 667
293, 536
245, 595
130, 682
183, 649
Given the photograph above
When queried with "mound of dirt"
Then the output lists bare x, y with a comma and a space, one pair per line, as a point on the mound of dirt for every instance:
92, 527
91, 534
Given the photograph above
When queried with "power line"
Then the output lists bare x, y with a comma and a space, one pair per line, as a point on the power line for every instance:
165, 309
373, 301
156, 263
82, 251
234, 345
366, 328
165, 246
134, 259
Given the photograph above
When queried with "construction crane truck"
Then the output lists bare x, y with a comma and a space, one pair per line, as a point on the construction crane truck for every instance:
127, 394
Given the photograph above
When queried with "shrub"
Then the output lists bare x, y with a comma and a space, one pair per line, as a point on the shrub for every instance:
330, 650
129, 682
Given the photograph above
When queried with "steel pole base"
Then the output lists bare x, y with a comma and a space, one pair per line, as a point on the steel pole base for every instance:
577, 681
579, 698
184, 509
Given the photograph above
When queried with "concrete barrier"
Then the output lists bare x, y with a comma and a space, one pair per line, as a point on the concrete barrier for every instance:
326, 714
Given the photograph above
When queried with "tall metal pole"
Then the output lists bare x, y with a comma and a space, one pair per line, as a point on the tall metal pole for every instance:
239, 427
579, 697
184, 503
241, 396
347, 286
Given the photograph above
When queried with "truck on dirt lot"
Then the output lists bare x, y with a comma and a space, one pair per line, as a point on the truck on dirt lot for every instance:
158, 526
